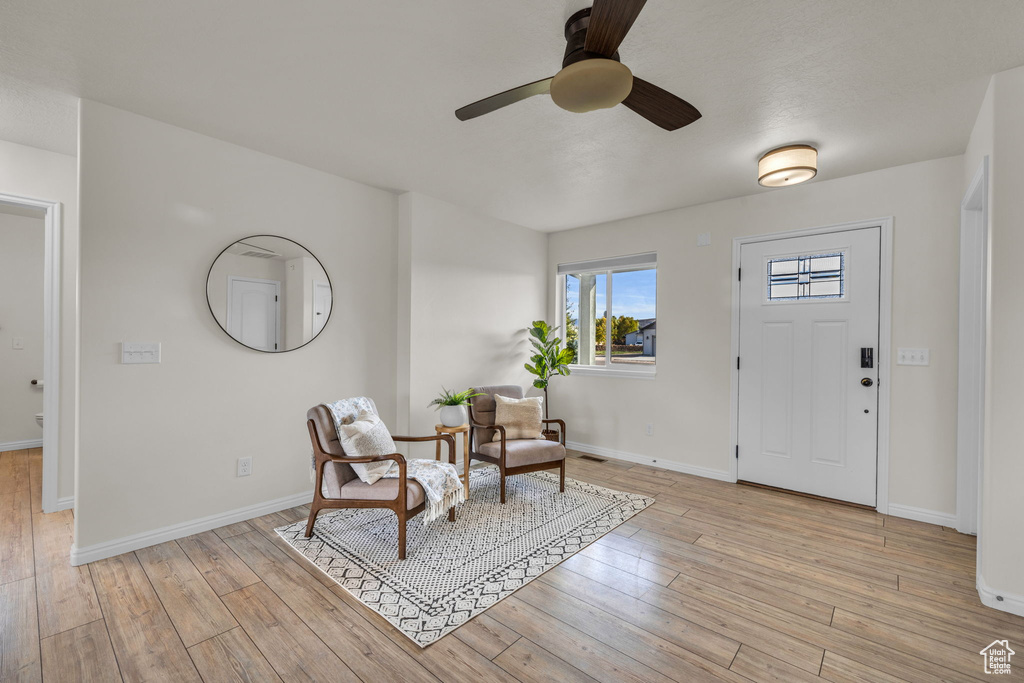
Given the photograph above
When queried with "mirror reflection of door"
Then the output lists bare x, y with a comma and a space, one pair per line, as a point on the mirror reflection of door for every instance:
254, 311
269, 293
321, 305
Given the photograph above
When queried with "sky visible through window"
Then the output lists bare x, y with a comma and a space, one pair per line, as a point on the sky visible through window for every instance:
634, 293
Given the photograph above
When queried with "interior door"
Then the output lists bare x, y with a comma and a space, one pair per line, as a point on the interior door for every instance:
807, 402
321, 306
253, 312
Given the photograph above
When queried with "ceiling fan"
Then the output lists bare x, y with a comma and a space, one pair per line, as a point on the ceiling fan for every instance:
592, 76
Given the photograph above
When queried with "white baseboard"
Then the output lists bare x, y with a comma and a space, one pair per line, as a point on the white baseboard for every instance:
99, 551
1000, 600
21, 445
653, 462
922, 515
66, 503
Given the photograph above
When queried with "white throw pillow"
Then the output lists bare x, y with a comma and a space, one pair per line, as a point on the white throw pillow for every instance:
521, 417
365, 436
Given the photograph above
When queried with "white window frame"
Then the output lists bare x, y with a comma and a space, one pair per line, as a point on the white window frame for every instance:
607, 266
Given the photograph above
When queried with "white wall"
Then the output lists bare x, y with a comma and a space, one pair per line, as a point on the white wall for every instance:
159, 443
474, 285
37, 174
1000, 133
21, 315
980, 143
689, 400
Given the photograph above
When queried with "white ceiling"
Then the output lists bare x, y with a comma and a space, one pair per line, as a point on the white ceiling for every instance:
367, 89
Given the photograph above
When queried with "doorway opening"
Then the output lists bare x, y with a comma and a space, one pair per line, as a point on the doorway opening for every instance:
48, 381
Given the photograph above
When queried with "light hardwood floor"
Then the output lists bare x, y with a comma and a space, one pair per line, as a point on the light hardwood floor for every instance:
715, 581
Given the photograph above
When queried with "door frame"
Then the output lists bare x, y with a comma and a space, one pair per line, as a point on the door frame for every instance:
882, 358
972, 323
52, 240
232, 279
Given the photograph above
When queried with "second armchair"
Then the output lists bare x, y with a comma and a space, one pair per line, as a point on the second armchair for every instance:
512, 456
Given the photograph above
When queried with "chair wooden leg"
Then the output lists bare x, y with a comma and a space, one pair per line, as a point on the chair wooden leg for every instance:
561, 477
451, 514
401, 537
502, 487
313, 510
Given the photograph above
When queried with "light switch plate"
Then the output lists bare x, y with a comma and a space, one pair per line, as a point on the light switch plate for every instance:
140, 352
704, 239
912, 357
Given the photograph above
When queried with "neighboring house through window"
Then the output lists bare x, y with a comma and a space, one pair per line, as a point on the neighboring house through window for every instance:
609, 313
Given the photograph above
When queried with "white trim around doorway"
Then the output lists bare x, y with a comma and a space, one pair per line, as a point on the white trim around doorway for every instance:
53, 226
883, 358
971, 350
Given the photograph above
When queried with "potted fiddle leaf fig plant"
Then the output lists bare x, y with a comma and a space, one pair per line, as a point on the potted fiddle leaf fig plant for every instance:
549, 359
453, 406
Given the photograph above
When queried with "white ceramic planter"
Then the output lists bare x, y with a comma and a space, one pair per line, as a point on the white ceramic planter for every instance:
454, 416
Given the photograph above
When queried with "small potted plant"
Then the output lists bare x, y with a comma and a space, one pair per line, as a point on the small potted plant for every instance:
549, 360
453, 406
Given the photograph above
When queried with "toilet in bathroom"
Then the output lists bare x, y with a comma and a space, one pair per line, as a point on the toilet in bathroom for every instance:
39, 419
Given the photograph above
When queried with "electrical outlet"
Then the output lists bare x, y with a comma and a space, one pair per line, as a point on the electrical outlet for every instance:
704, 239
244, 466
650, 429
18, 343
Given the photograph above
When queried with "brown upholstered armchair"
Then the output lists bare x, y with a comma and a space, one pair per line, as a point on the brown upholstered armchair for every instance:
512, 456
337, 485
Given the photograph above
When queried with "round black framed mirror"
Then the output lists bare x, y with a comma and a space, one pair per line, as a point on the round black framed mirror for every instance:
269, 293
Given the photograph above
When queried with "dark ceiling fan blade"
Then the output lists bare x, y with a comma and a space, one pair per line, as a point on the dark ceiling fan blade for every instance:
610, 21
660, 107
503, 99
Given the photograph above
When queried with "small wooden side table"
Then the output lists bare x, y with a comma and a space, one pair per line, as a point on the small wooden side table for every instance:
454, 431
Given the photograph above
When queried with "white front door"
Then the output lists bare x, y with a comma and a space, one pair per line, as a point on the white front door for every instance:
253, 312
807, 408
321, 306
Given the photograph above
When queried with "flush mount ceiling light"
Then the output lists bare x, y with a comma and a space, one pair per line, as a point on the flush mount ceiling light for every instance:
788, 165
591, 84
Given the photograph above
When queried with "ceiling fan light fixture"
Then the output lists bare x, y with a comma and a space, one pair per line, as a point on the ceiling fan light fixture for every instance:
788, 165
591, 84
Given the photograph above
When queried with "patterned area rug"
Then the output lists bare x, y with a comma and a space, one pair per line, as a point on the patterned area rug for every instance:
453, 572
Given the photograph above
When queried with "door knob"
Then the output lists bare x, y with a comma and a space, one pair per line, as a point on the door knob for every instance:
866, 382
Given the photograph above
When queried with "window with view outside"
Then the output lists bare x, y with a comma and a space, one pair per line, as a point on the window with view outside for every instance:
633, 324
627, 339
